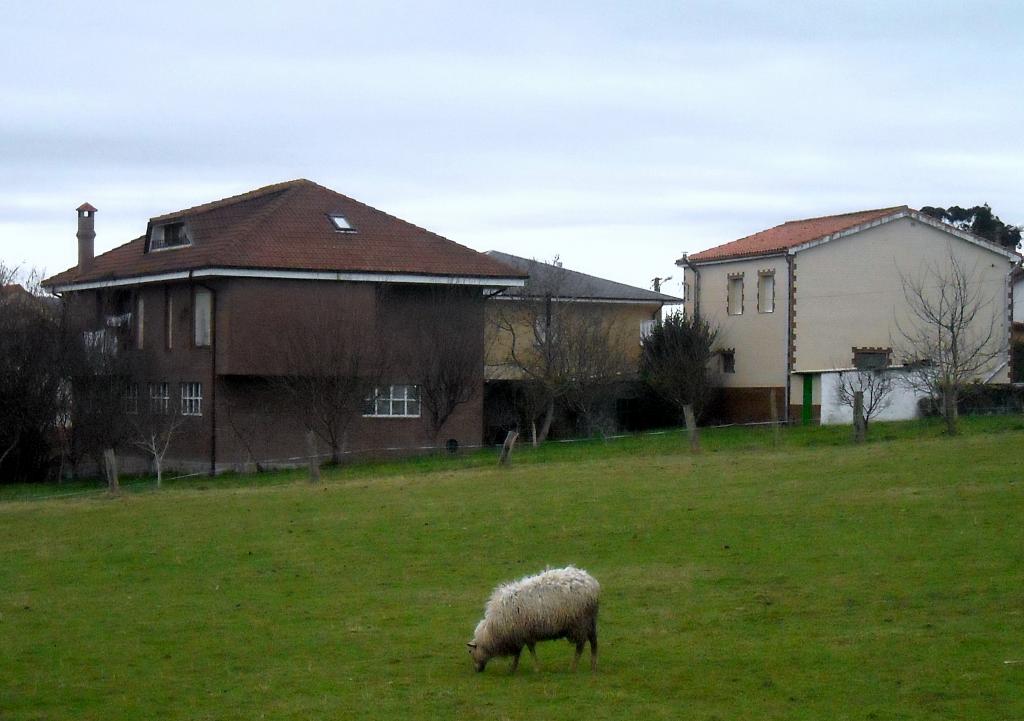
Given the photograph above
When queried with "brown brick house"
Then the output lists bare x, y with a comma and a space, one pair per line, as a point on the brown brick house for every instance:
221, 302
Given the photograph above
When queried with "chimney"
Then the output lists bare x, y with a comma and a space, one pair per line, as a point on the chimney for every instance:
86, 235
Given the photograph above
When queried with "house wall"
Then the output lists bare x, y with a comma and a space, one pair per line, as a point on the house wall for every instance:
626, 320
260, 330
849, 291
757, 338
901, 403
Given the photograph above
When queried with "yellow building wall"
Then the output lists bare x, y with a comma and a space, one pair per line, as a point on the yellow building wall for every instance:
626, 320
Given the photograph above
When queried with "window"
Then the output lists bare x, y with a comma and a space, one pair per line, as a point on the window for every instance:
168, 235
398, 400
202, 317
646, 328
341, 223
103, 342
728, 361
191, 399
139, 324
766, 293
131, 398
159, 398
734, 302
870, 358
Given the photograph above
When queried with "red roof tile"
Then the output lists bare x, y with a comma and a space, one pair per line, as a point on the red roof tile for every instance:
287, 227
791, 234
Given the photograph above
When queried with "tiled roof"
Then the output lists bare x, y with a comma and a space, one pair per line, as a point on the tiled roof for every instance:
287, 227
791, 234
572, 284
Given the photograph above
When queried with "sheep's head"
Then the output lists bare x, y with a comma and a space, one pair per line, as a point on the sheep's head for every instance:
479, 656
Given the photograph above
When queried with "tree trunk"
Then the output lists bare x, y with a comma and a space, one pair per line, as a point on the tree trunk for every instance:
506, 448
549, 416
533, 432
159, 471
110, 470
691, 428
314, 457
859, 424
949, 410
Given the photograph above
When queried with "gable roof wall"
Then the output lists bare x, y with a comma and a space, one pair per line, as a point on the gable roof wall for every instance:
794, 235
287, 227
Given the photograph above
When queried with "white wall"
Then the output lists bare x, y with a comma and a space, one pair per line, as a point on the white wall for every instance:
902, 406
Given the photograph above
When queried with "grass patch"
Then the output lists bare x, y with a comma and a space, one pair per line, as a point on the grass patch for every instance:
806, 580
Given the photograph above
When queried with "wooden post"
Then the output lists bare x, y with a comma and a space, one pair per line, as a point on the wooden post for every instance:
110, 470
314, 458
691, 428
859, 426
774, 410
506, 448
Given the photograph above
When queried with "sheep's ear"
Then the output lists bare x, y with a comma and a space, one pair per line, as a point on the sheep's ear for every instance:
471, 644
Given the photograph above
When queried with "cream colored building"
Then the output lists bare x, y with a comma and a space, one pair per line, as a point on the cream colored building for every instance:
815, 296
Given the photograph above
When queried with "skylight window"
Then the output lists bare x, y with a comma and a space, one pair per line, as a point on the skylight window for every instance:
341, 223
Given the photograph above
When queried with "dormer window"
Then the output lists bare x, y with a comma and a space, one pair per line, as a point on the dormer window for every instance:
341, 224
169, 235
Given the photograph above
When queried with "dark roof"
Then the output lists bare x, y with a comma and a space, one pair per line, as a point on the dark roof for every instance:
791, 234
571, 284
287, 227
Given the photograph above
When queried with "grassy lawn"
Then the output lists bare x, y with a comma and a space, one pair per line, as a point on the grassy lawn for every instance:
809, 579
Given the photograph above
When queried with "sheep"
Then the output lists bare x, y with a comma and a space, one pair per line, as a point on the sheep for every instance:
557, 603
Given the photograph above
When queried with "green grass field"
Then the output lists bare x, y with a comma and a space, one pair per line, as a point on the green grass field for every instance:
809, 579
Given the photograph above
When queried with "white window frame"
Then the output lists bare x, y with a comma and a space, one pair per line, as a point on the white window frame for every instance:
396, 397
160, 398
737, 308
202, 318
765, 305
191, 399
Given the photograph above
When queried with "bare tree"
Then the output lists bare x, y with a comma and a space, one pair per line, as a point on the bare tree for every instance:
594, 362
448, 356
29, 374
154, 425
954, 333
331, 361
875, 385
564, 350
676, 361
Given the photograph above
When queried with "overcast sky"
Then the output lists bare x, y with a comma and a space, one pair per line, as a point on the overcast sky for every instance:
614, 134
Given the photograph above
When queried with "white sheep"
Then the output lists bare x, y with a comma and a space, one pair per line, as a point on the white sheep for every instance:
558, 603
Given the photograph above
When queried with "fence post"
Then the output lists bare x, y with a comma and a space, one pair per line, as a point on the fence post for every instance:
859, 426
691, 428
774, 410
110, 470
506, 448
314, 458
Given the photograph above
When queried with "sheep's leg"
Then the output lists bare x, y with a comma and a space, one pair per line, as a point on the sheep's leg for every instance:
515, 661
533, 652
593, 649
579, 652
